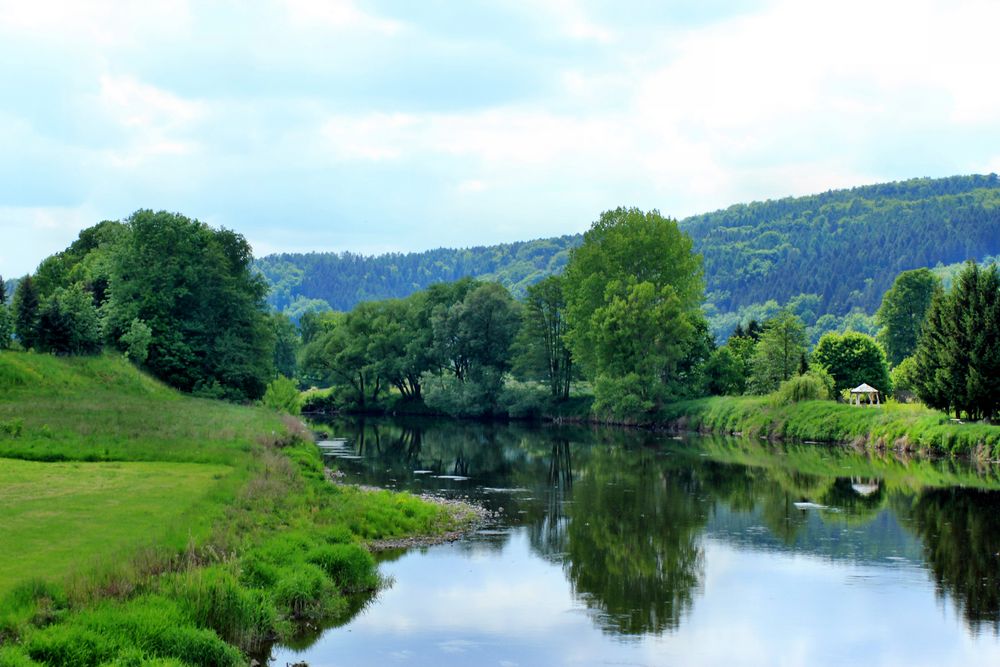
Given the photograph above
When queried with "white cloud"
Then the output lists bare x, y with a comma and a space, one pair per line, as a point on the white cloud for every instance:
340, 15
156, 121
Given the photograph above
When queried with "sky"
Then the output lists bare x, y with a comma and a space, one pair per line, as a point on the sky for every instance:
382, 125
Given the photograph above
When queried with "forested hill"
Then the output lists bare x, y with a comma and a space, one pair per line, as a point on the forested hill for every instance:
344, 279
844, 246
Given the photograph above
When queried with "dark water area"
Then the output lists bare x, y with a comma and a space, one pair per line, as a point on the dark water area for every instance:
628, 547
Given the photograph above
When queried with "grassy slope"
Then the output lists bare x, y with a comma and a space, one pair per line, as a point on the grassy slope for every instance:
198, 530
894, 425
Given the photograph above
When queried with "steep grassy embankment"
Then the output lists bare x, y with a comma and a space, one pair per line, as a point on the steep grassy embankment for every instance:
141, 526
893, 425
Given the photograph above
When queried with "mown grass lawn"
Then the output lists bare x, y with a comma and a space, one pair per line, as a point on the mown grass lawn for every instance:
58, 519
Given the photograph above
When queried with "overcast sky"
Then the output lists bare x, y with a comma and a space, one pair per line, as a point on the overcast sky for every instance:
374, 126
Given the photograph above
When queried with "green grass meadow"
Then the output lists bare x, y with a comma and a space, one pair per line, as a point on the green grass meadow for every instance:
70, 516
142, 526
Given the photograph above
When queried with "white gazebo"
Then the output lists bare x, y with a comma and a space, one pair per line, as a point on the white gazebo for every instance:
865, 390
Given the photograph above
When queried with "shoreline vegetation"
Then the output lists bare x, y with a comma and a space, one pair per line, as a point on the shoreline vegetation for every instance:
904, 428
254, 546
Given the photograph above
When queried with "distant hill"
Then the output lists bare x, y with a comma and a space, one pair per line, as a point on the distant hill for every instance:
841, 248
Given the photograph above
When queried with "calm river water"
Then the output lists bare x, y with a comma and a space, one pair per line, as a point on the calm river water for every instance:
619, 547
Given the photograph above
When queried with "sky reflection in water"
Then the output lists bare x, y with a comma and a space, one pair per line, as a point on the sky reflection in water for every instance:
624, 548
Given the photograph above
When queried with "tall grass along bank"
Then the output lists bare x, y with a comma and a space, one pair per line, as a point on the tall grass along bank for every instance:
142, 526
899, 426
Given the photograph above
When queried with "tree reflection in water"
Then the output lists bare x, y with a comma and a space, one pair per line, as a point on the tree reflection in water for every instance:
633, 547
960, 529
624, 512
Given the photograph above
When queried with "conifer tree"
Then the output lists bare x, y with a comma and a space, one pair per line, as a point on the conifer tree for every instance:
958, 356
26, 313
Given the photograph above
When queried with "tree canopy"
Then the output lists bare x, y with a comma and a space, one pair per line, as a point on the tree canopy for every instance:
851, 359
903, 311
958, 355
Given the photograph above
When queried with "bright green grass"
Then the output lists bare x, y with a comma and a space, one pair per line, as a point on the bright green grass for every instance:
892, 425
102, 409
58, 518
148, 527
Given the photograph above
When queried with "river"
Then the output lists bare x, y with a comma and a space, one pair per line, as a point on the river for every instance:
631, 548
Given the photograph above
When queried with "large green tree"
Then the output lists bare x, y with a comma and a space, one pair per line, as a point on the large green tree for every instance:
852, 358
958, 356
633, 291
542, 350
193, 286
903, 311
68, 322
778, 354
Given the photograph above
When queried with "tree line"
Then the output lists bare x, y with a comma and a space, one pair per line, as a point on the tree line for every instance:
624, 323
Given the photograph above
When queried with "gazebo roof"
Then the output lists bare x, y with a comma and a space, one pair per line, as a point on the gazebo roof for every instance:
864, 388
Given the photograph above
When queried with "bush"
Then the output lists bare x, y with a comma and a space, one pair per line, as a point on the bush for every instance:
904, 378
282, 395
807, 387
623, 400
473, 397
522, 400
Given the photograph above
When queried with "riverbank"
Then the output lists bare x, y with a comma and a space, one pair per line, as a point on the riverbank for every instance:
892, 426
151, 527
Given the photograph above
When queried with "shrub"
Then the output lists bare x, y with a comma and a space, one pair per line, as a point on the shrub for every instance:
12, 427
807, 387
522, 400
623, 400
282, 395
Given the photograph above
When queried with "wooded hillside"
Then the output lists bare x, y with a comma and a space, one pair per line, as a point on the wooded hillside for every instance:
844, 246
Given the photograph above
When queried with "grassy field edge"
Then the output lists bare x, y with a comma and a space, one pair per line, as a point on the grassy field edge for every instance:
268, 549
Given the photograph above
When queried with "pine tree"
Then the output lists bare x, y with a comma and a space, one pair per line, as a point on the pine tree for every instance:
26, 313
958, 356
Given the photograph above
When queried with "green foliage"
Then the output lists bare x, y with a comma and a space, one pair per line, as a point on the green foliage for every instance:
853, 358
806, 387
304, 282
477, 394
26, 313
473, 337
903, 311
283, 395
958, 355
632, 292
725, 372
626, 399
818, 255
778, 353
68, 323
834, 244
904, 377
136, 341
6, 327
908, 427
286, 345
193, 287
542, 353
